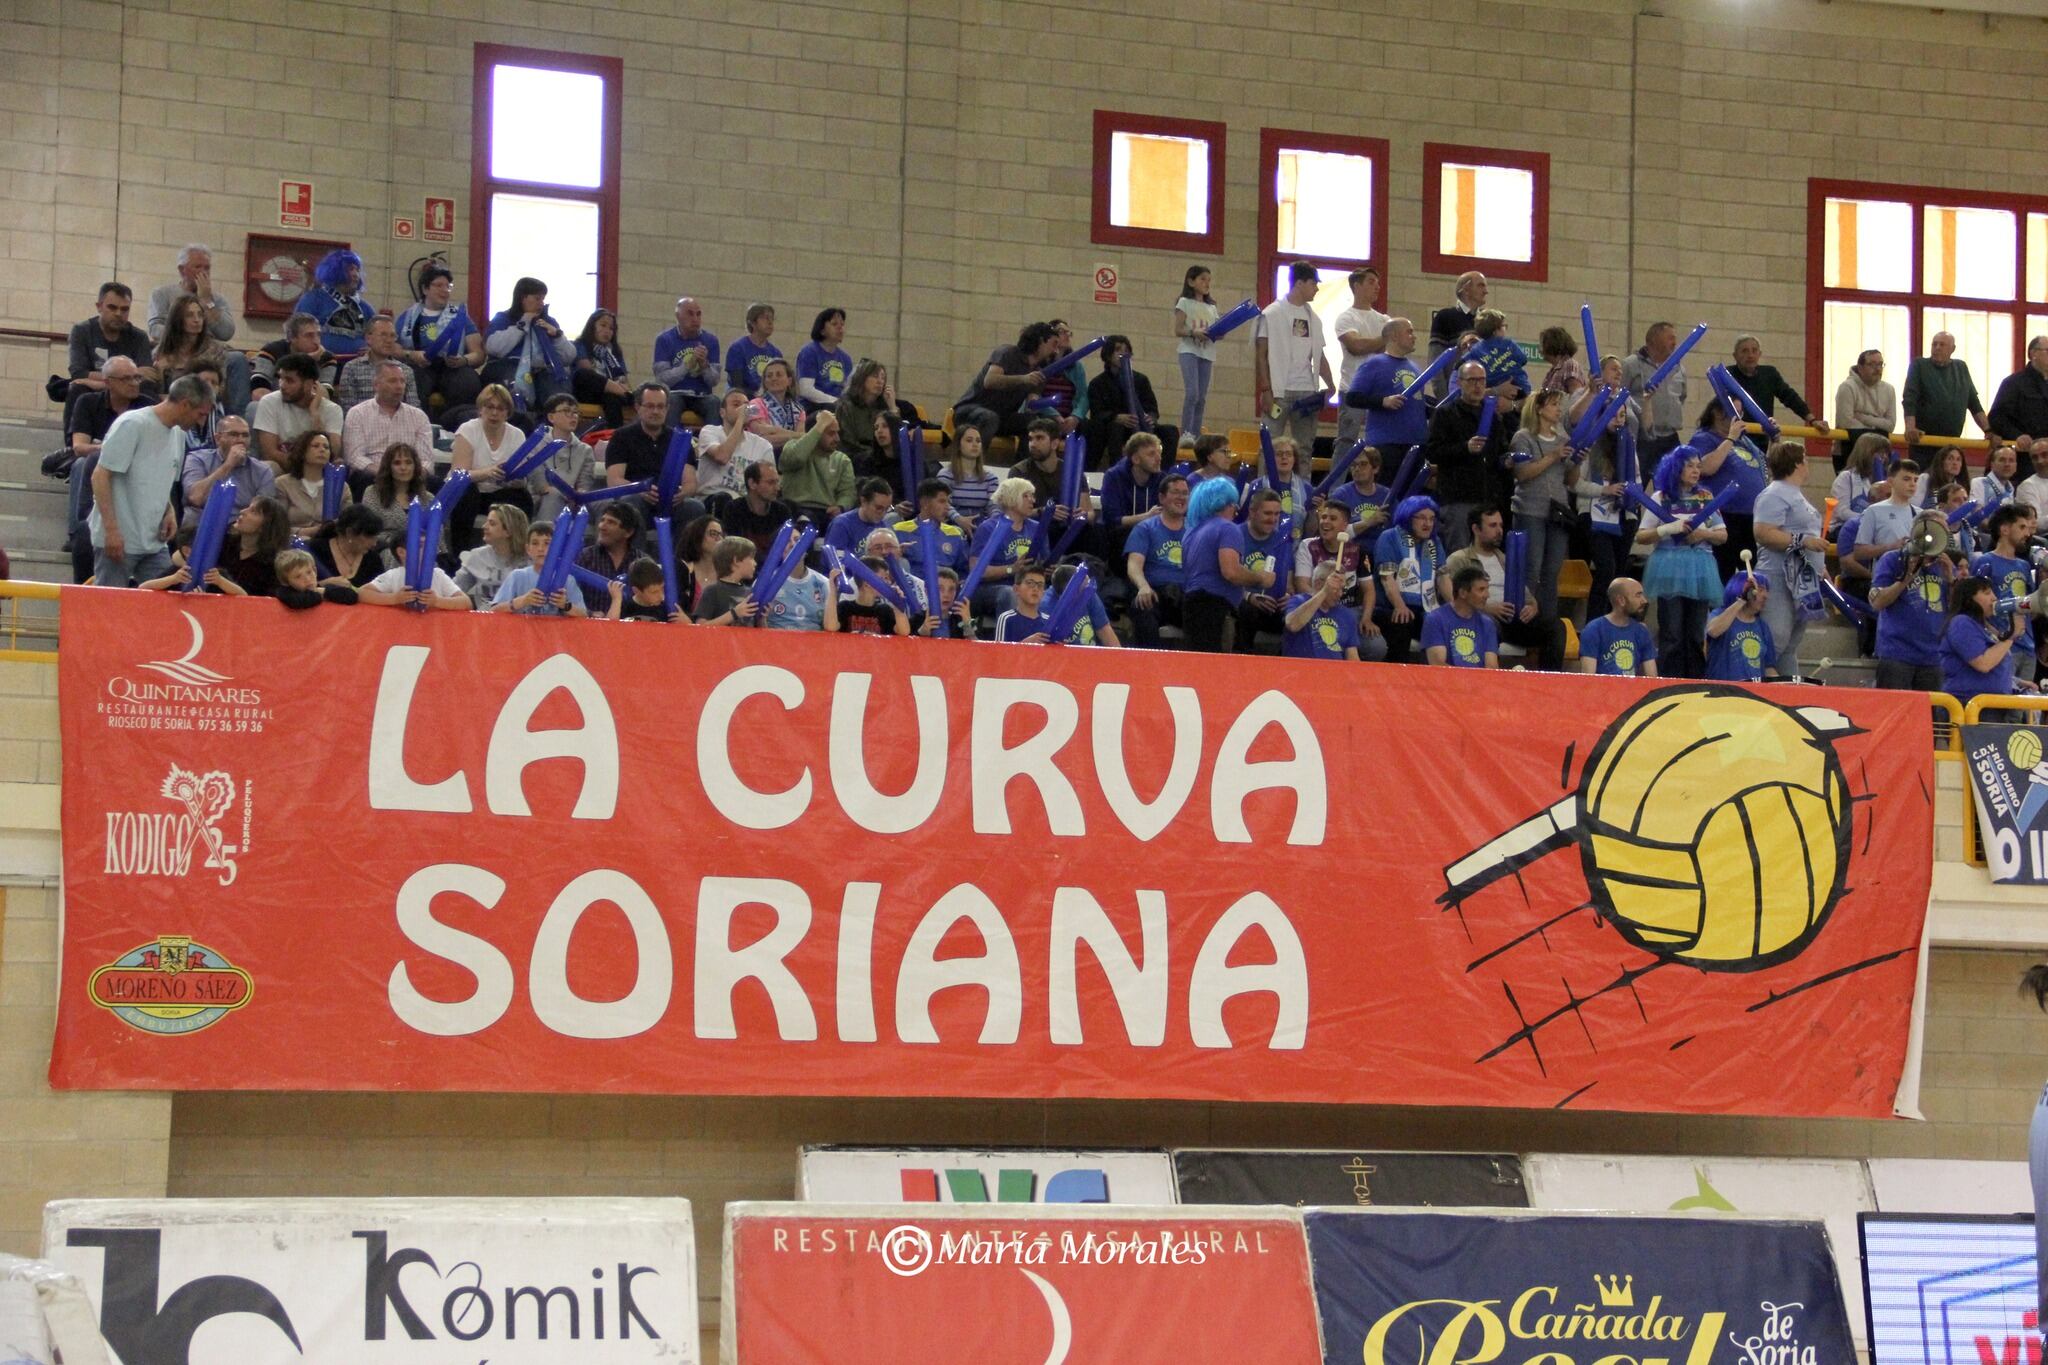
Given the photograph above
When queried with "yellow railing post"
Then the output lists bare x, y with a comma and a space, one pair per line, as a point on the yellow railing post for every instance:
27, 636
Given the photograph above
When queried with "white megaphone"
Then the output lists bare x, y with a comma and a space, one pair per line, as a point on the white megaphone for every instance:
1930, 537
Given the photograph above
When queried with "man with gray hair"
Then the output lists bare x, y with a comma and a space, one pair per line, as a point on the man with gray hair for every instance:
1766, 385
1938, 394
2020, 412
139, 463
384, 419
1664, 411
228, 456
195, 277
301, 337
359, 377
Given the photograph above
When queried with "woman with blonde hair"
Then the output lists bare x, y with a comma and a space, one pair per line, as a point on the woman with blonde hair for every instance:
1013, 507
1854, 489
1540, 458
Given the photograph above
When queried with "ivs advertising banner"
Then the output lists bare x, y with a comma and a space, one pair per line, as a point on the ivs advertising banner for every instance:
967, 1175
1431, 1288
378, 849
934, 1286
385, 1281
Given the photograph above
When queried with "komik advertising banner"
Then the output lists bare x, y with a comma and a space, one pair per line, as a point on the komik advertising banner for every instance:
932, 1285
385, 1281
1944, 1289
392, 850
1397, 1288
1344, 1179
966, 1175
1776, 1187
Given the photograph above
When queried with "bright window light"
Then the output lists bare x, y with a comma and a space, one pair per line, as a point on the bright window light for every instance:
1158, 182
554, 240
547, 127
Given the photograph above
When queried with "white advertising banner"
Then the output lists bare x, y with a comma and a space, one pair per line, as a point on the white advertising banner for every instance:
966, 1175
1832, 1191
1906, 1185
385, 1281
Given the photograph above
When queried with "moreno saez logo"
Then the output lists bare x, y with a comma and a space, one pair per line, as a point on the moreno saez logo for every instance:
183, 693
406, 1294
161, 842
170, 986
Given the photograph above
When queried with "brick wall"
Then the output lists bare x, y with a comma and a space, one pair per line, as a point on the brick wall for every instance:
928, 161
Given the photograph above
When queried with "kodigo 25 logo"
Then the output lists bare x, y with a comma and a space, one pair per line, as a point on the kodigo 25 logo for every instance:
160, 843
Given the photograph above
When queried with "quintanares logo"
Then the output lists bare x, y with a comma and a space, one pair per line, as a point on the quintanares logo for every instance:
182, 693
171, 986
160, 843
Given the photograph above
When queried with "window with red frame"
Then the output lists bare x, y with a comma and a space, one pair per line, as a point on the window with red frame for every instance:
1888, 266
544, 179
1158, 183
1485, 208
1322, 199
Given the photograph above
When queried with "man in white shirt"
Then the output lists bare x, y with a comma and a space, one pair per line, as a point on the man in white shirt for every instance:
299, 405
1289, 362
725, 448
384, 419
2033, 490
1358, 332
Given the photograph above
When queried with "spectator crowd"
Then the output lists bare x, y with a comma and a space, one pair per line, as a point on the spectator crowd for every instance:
1459, 484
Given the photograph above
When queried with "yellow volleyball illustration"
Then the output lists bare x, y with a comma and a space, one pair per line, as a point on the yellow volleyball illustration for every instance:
1713, 828
2023, 750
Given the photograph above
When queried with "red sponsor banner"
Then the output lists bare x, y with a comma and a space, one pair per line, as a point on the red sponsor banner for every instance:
914, 1286
517, 854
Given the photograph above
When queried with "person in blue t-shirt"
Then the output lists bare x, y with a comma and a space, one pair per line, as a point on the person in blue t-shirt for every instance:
1153, 562
686, 363
1319, 625
1093, 628
1364, 497
1619, 643
1727, 458
749, 356
1505, 365
1910, 594
1268, 538
2011, 571
850, 530
1739, 643
1460, 633
1024, 623
822, 368
1976, 651
1213, 554
1392, 423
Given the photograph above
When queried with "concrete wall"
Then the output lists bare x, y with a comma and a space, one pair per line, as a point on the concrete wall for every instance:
925, 163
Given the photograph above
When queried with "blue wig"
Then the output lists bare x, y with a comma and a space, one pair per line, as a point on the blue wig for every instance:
1404, 515
1668, 470
1738, 584
332, 271
1210, 497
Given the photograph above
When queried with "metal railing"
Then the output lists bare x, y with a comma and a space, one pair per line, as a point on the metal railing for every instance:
28, 622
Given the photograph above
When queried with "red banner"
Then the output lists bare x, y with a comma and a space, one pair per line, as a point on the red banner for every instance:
372, 849
914, 1286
